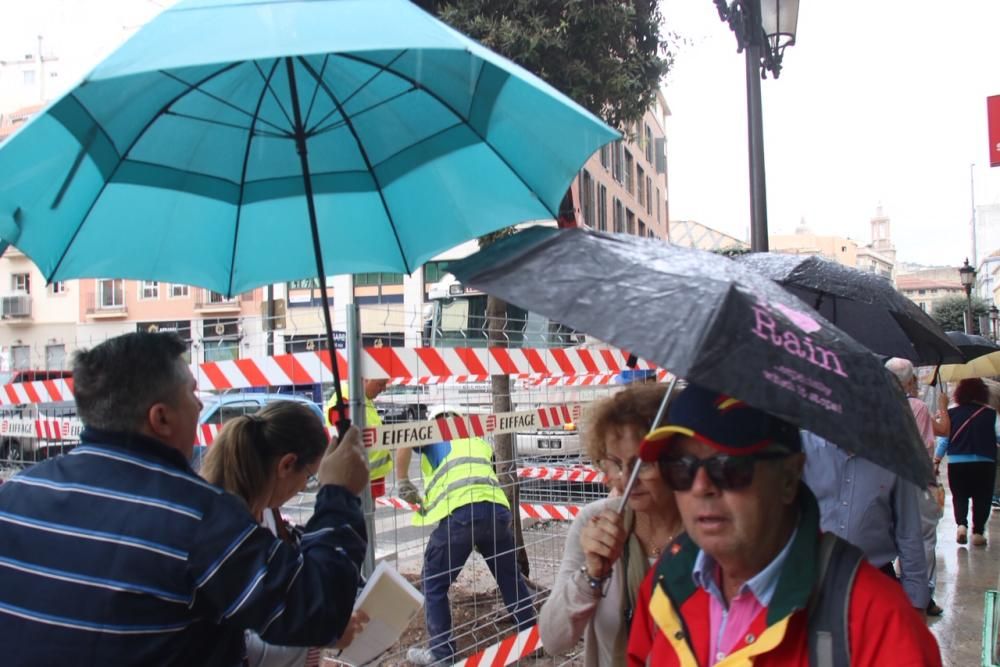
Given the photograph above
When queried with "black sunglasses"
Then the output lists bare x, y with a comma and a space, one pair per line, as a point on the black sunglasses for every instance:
726, 472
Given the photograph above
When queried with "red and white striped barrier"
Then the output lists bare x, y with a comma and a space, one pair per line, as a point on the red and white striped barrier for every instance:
42, 429
542, 511
507, 652
579, 474
588, 380
425, 363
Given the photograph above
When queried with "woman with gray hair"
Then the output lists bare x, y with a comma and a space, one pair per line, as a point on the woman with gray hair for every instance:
607, 554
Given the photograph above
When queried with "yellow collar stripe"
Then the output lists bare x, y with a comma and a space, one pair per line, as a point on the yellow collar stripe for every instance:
662, 611
767, 641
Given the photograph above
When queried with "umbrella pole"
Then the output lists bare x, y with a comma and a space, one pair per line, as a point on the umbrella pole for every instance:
634, 475
343, 423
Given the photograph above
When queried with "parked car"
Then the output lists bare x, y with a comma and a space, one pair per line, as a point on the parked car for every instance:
217, 409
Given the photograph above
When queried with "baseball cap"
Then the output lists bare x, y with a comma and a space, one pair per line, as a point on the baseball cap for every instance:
722, 422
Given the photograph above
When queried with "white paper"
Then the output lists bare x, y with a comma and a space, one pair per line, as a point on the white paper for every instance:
391, 602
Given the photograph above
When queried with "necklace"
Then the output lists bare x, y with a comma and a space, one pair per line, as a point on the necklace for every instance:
653, 550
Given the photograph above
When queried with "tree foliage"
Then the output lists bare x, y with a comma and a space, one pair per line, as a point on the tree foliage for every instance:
950, 313
609, 57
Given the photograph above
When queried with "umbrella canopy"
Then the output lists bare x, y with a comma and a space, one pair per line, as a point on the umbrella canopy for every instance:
972, 346
987, 365
190, 154
714, 322
863, 304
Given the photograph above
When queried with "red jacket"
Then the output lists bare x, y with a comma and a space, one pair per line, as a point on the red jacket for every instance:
883, 628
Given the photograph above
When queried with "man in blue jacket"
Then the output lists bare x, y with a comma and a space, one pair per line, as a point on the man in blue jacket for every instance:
119, 554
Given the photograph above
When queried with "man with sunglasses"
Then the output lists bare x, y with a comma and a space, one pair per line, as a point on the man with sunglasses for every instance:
754, 580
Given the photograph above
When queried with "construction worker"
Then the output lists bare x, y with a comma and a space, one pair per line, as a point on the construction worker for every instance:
379, 460
463, 496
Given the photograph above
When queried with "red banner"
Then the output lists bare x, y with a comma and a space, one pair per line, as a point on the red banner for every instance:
993, 119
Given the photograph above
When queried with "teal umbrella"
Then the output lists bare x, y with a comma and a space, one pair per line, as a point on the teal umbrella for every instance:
233, 144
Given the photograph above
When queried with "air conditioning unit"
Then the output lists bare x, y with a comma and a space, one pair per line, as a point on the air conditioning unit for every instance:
15, 306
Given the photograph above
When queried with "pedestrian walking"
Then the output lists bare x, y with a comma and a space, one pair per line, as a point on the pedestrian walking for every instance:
753, 581
972, 458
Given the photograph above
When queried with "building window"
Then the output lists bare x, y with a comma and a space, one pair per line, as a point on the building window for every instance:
642, 229
649, 195
921, 291
616, 161
619, 217
149, 289
110, 293
433, 273
58, 287
629, 222
649, 145
217, 297
640, 183
605, 156
378, 279
587, 198
602, 208
178, 291
658, 205
629, 175
20, 282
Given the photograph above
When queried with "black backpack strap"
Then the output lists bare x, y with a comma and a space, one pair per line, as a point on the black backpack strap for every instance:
829, 641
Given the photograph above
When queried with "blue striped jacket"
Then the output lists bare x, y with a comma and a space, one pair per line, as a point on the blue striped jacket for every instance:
119, 554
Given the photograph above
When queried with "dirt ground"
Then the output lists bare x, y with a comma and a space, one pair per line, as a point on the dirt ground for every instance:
479, 619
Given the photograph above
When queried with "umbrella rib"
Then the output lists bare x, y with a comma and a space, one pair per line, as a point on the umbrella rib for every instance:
277, 100
364, 85
462, 119
218, 99
312, 101
340, 122
243, 177
208, 121
122, 159
364, 156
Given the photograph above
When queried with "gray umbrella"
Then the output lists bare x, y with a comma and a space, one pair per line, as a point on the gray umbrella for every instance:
863, 304
714, 322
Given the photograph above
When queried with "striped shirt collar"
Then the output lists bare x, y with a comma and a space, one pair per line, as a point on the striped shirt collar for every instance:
135, 443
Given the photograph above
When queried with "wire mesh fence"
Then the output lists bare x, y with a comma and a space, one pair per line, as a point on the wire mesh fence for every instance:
548, 466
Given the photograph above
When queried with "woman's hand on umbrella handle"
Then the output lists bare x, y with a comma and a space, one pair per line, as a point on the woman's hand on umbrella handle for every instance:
602, 541
942, 401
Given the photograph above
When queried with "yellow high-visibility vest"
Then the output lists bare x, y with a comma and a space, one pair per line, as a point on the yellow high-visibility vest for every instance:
464, 477
379, 461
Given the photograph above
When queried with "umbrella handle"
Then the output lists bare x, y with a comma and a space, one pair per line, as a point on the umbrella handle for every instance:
634, 475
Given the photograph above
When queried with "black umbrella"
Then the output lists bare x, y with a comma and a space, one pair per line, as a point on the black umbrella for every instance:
971, 346
714, 322
863, 304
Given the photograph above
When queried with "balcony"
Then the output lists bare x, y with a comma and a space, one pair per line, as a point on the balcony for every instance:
15, 308
108, 302
216, 303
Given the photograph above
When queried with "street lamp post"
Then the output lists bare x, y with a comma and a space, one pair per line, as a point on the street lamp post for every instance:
967, 274
763, 29
995, 319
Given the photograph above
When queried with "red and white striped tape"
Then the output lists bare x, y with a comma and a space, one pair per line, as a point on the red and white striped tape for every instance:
587, 380
542, 511
41, 429
577, 474
422, 363
507, 652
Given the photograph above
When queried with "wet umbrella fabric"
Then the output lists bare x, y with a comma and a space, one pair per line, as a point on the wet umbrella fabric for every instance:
864, 305
714, 322
972, 346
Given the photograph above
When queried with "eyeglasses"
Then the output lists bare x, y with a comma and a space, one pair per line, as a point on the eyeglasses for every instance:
726, 472
614, 468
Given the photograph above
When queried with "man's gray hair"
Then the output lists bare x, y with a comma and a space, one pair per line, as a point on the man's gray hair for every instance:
117, 382
902, 369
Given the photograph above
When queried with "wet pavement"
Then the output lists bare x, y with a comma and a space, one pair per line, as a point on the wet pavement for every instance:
964, 574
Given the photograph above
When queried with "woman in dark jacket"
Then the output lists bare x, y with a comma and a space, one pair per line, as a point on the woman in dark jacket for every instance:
972, 458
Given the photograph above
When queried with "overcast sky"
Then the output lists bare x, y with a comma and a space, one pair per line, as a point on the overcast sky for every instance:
879, 101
